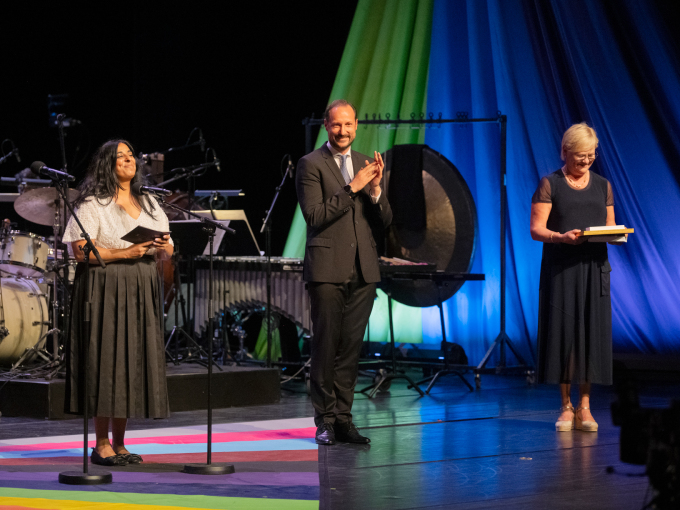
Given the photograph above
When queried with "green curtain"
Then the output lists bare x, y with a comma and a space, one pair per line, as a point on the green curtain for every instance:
383, 70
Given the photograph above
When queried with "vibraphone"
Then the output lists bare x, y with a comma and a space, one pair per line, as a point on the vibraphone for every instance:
241, 283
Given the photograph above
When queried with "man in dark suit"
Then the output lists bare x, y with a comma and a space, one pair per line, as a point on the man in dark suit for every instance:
343, 204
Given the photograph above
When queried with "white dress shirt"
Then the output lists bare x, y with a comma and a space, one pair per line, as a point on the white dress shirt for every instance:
348, 164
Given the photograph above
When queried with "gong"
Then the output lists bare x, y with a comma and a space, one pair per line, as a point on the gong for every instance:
434, 220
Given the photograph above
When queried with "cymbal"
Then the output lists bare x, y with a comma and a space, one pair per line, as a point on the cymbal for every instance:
38, 205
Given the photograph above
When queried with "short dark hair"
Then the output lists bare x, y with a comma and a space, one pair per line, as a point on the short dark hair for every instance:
338, 102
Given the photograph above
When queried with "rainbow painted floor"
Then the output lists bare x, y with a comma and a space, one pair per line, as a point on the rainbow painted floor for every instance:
276, 466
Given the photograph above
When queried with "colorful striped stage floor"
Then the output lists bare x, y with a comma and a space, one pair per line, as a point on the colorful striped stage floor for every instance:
276, 466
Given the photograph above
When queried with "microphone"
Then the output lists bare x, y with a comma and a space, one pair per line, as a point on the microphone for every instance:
201, 140
67, 121
216, 161
290, 167
140, 189
16, 154
39, 168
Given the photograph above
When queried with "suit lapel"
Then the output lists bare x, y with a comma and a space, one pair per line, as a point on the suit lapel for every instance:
332, 165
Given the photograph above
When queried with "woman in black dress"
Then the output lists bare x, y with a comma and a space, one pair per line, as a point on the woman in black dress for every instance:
126, 361
574, 313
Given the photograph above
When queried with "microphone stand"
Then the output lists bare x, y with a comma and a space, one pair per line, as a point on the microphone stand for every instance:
208, 468
267, 228
75, 477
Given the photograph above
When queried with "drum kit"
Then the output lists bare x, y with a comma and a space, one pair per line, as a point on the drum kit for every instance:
34, 278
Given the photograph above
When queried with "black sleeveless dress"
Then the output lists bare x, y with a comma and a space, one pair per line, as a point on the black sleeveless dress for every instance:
574, 311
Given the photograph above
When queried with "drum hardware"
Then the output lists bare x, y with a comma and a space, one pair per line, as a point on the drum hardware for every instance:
38, 350
237, 330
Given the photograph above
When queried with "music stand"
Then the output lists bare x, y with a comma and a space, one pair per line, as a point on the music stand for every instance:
187, 235
243, 242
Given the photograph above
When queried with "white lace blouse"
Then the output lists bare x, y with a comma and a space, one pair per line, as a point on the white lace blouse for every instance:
108, 222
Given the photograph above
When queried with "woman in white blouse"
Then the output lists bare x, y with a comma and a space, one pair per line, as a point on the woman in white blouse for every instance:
126, 369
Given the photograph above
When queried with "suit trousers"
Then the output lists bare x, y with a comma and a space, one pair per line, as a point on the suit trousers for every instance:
340, 313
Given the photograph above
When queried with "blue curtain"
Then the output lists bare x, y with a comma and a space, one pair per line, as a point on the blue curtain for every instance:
547, 65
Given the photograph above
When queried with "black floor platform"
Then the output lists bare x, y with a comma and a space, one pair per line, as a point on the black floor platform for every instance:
187, 390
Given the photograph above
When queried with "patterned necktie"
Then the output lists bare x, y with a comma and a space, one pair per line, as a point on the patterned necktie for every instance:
343, 168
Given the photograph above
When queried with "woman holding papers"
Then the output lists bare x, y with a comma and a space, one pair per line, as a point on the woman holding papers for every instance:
574, 313
126, 368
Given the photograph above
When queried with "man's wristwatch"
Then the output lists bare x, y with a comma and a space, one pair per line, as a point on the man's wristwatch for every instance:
348, 190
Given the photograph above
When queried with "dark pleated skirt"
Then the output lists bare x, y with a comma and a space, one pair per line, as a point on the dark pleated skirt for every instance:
126, 369
575, 316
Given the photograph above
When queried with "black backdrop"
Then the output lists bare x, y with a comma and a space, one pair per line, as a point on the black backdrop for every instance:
246, 74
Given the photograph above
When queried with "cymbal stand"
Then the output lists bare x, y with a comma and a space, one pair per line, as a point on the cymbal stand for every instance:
55, 281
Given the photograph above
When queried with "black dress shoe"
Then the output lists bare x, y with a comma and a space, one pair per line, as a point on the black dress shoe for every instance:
350, 434
113, 460
325, 434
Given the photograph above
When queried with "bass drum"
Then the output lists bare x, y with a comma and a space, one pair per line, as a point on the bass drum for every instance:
24, 309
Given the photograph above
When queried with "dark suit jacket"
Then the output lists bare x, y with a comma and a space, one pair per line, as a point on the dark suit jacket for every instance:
338, 226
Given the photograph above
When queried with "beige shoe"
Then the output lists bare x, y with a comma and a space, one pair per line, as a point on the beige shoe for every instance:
567, 425
586, 426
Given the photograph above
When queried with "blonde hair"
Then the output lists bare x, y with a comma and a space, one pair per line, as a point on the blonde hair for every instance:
579, 137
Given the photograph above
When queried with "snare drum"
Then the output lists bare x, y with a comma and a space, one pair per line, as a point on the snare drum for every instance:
23, 254
24, 309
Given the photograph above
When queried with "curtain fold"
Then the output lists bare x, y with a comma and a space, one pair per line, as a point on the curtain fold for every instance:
383, 71
547, 65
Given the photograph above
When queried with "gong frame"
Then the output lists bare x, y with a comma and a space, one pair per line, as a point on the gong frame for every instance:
502, 339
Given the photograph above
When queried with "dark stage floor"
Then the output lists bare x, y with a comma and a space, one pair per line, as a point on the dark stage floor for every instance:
492, 448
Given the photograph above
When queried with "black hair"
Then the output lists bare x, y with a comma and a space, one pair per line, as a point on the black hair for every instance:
101, 181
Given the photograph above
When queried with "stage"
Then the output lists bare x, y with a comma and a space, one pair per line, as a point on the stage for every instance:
491, 448
245, 385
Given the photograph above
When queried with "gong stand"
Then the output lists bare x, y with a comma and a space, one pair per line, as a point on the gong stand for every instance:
502, 339
76, 477
208, 468
383, 377
440, 279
